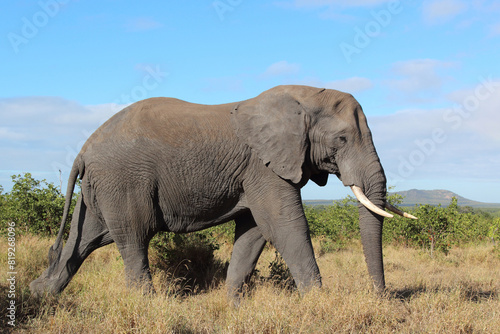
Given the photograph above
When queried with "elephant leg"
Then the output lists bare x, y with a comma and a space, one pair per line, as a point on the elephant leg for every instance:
132, 223
276, 206
133, 248
87, 233
136, 262
248, 245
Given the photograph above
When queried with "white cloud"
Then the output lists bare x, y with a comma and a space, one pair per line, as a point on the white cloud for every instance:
336, 3
20, 111
419, 79
495, 29
461, 141
143, 24
41, 112
478, 109
38, 133
89, 115
416, 75
281, 68
8, 134
350, 85
341, 11
337, 10
439, 11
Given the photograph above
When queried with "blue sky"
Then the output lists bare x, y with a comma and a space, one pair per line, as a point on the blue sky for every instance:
426, 73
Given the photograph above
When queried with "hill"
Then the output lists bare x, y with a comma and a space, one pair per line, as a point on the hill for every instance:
432, 197
443, 197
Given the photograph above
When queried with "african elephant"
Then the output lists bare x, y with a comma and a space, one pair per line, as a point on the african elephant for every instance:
163, 164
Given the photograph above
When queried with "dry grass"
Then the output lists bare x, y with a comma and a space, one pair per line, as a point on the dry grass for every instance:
458, 293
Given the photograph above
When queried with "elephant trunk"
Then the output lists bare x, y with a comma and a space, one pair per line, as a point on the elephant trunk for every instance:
371, 237
371, 218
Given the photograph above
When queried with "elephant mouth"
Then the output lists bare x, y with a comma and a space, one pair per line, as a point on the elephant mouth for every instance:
329, 165
358, 192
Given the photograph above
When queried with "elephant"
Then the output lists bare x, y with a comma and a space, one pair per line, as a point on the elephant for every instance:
163, 164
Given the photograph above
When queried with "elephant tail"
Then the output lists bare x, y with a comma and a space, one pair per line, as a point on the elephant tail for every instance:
77, 169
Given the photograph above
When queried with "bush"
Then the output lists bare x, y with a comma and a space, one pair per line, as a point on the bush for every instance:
494, 235
494, 231
190, 257
35, 206
279, 273
334, 225
438, 228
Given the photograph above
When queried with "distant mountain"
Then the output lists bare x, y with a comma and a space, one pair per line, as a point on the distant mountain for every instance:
433, 197
316, 202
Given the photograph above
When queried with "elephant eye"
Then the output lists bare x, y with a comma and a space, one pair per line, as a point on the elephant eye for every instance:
340, 141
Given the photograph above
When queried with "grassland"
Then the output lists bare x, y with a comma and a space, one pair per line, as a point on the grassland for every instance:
457, 293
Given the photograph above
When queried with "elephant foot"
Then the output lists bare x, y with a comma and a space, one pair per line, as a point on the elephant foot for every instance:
42, 287
144, 285
234, 299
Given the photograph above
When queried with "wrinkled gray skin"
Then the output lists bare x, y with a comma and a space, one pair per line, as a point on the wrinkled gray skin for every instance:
163, 164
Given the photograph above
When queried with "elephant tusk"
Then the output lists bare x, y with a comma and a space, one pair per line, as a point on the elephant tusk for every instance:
367, 203
392, 208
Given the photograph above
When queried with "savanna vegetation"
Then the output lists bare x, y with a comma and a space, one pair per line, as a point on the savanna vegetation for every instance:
442, 273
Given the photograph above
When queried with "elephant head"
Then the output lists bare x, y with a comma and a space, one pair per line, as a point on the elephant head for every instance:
304, 133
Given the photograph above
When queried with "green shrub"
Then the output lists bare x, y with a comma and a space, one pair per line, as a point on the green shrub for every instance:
494, 235
334, 225
438, 228
190, 257
35, 206
279, 273
494, 231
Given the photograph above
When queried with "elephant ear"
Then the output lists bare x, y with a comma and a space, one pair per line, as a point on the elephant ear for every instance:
273, 125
